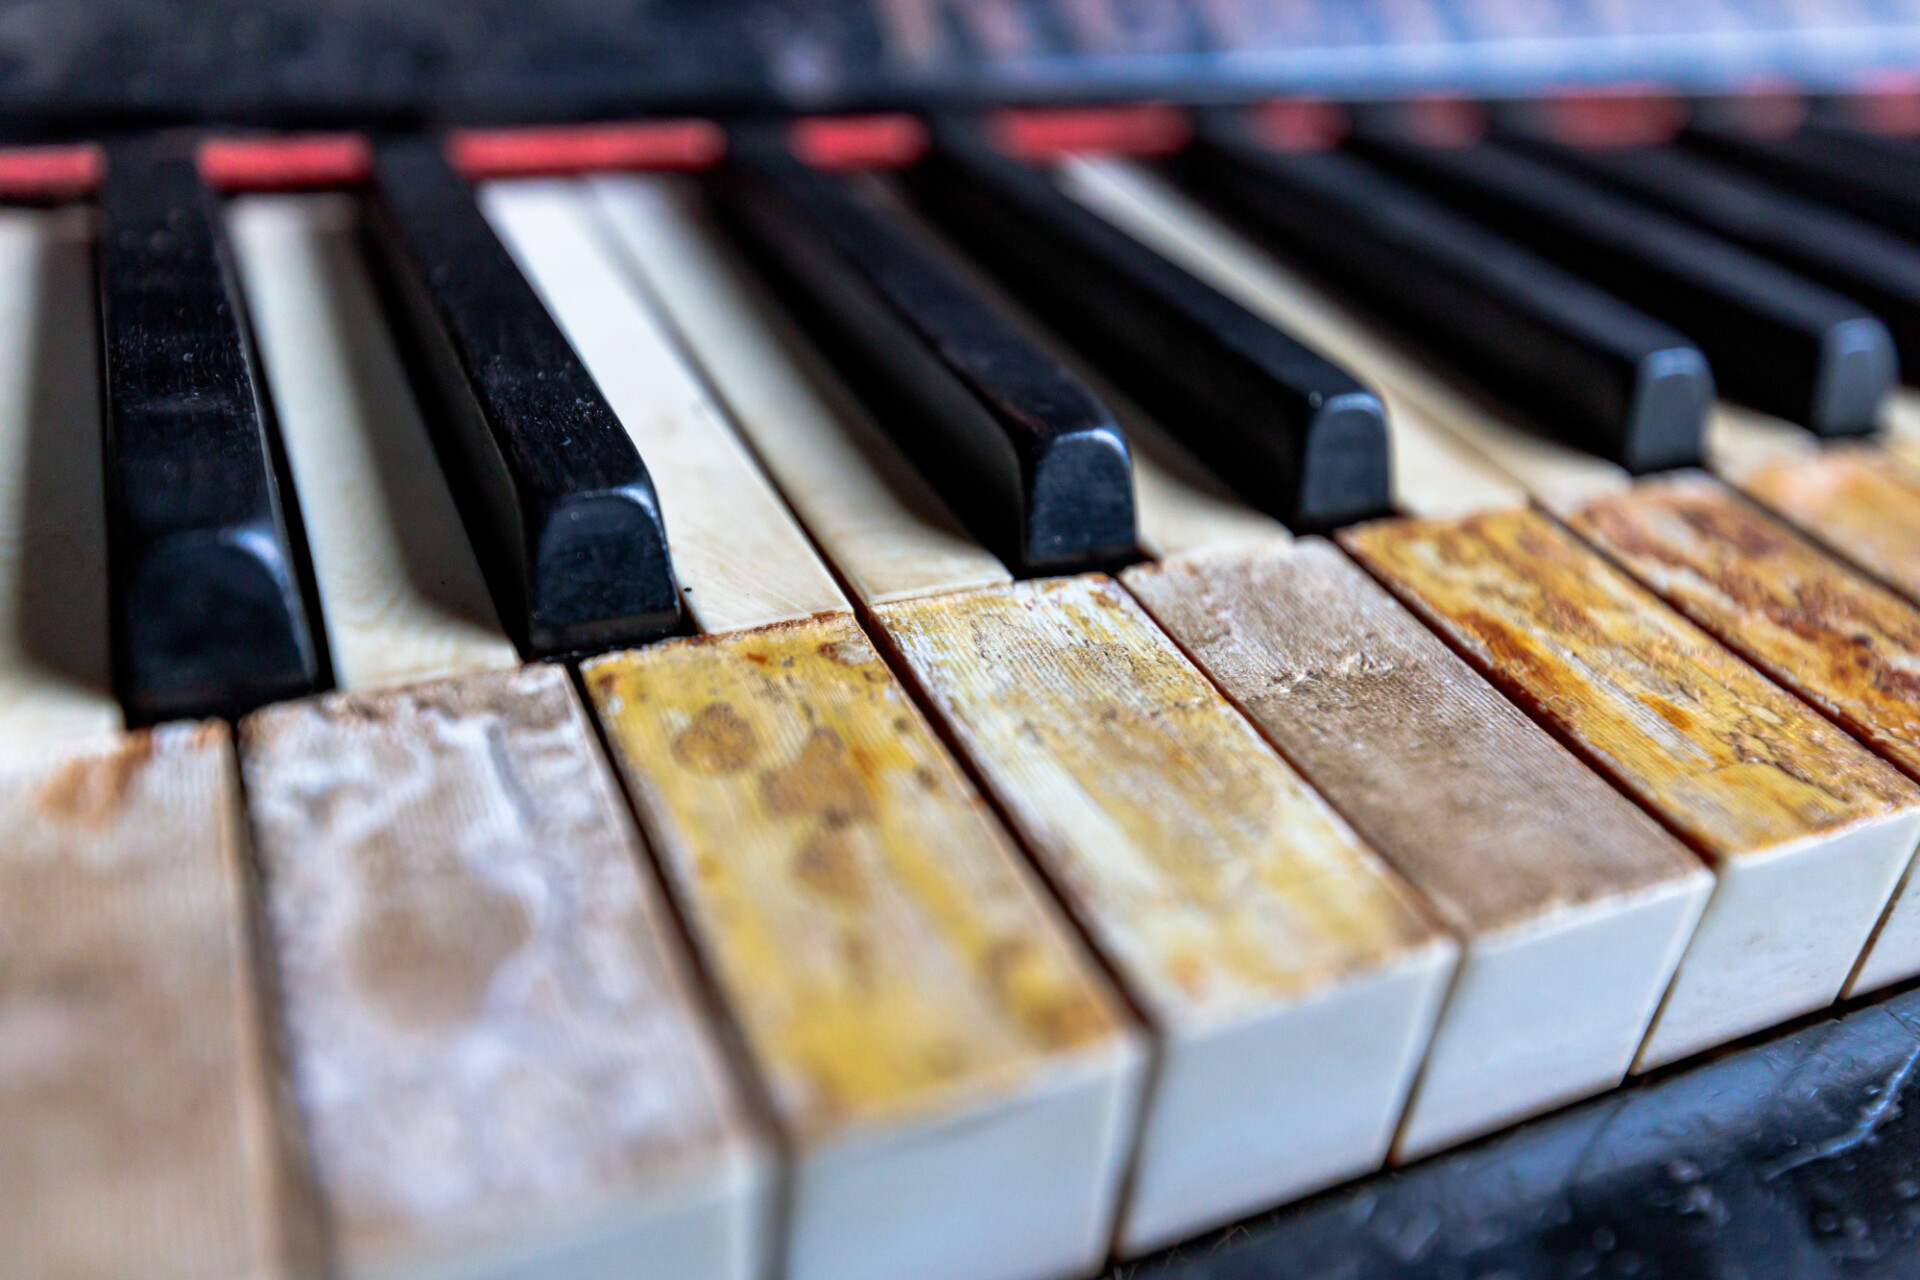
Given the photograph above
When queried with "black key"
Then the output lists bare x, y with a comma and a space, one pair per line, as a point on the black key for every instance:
1294, 433
1587, 368
1877, 269
1020, 449
1777, 342
1874, 178
213, 611
553, 491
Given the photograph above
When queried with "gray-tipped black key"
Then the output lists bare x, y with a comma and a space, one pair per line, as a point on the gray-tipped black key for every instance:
1586, 367
554, 494
211, 599
1879, 270
1874, 178
1777, 341
1293, 432
1021, 450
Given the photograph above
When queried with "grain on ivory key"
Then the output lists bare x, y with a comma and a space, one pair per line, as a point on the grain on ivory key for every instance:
401, 593
142, 1130
1572, 905
492, 1033
1853, 498
874, 516
55, 684
956, 1084
1806, 831
1432, 474
741, 559
1290, 978
1841, 641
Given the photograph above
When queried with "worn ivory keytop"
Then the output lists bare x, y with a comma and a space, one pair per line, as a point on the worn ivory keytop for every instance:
955, 1083
1807, 831
1572, 904
141, 1131
1841, 641
494, 1042
1290, 978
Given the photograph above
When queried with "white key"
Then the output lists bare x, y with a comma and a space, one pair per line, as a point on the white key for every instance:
742, 560
55, 689
400, 589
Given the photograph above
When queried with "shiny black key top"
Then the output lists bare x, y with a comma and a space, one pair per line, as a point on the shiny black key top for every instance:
1777, 341
554, 494
1874, 178
1020, 449
212, 610
1297, 435
1875, 268
1587, 368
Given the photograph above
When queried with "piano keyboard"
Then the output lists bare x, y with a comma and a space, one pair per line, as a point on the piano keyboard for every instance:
914, 702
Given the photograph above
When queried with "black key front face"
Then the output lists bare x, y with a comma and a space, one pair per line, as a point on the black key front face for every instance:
554, 493
1777, 341
1294, 433
1019, 448
1585, 367
1873, 178
1875, 268
211, 600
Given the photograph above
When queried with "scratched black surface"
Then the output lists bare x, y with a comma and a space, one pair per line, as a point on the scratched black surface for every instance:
1796, 1157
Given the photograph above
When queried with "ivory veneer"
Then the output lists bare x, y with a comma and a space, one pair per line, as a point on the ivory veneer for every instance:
740, 558
1573, 906
1808, 832
1291, 979
955, 1083
493, 1039
141, 1123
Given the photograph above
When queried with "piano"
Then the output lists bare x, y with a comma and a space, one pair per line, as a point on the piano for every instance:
962, 639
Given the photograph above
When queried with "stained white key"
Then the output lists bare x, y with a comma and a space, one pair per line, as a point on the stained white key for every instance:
741, 558
401, 592
1264, 942
54, 667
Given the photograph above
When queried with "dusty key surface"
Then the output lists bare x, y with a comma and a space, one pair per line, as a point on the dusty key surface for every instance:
1807, 832
957, 1085
141, 1136
1291, 979
1572, 904
501, 1066
1841, 641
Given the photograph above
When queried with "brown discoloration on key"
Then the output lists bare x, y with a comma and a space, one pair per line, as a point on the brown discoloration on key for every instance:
1214, 878
1844, 643
1857, 500
1487, 815
1729, 761
140, 1134
879, 940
